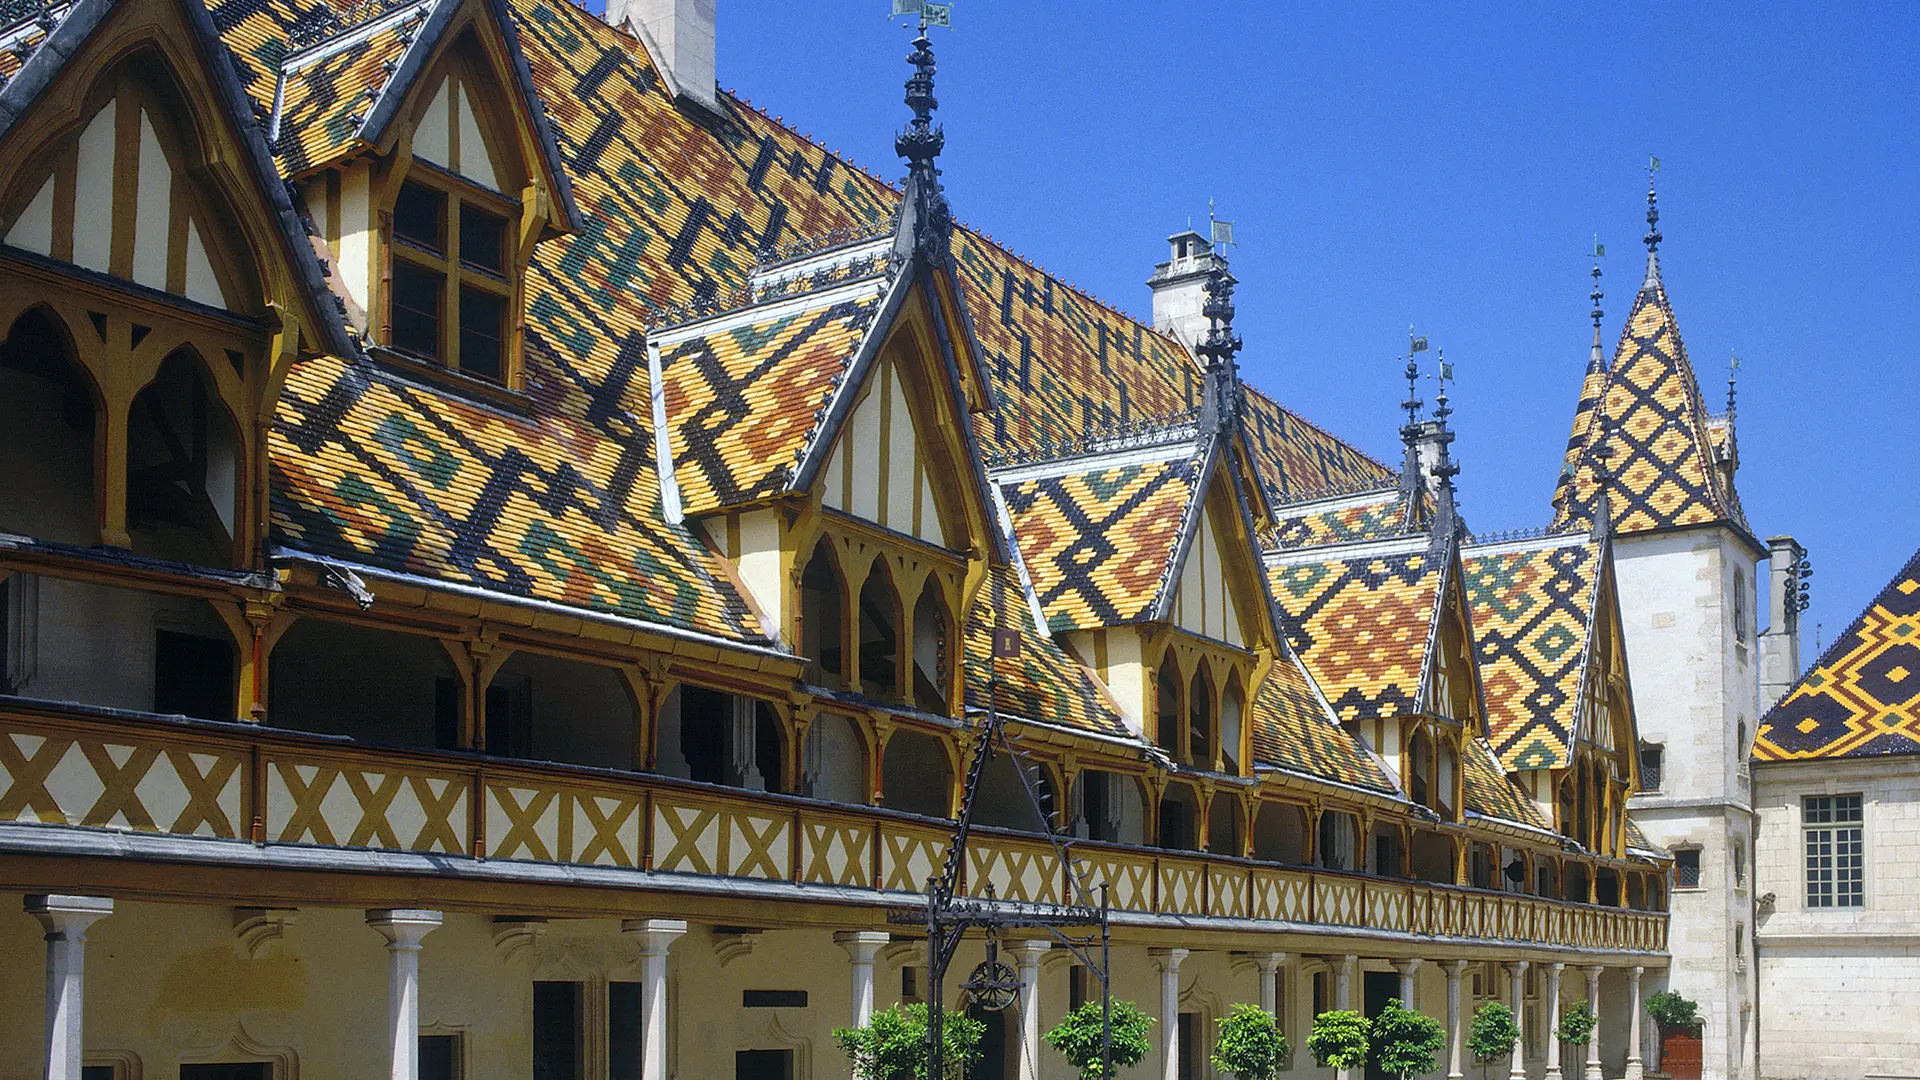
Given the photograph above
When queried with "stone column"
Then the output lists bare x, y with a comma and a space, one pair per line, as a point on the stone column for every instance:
1636, 1069
1169, 961
1517, 982
1343, 997
1456, 1021
1030, 954
744, 743
862, 946
66, 919
1551, 1003
403, 928
1270, 964
1407, 969
656, 936
1593, 1070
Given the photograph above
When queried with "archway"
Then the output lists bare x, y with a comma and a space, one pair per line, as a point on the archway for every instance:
1167, 727
1223, 825
932, 649
49, 412
1280, 834
1110, 808
1200, 718
836, 760
915, 776
822, 633
185, 467
1179, 818
879, 634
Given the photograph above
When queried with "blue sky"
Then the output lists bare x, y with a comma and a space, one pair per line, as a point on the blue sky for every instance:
1448, 166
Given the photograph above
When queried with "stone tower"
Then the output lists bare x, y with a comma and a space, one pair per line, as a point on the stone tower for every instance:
1685, 561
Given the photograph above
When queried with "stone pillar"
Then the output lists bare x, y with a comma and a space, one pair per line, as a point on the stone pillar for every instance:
1169, 961
1343, 982
1030, 954
66, 919
403, 928
1551, 1003
656, 936
1456, 1021
1517, 982
1407, 969
862, 946
1270, 964
744, 742
1593, 1070
1636, 1069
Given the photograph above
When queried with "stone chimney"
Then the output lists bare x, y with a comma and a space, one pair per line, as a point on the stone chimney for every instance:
1780, 643
1180, 288
679, 35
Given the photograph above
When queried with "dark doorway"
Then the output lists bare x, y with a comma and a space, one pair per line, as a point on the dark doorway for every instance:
763, 1065
626, 1019
1189, 1046
192, 676
993, 1045
1378, 988
556, 1031
235, 1070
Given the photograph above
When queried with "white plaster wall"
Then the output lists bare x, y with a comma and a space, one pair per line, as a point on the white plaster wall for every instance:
94, 644
1840, 987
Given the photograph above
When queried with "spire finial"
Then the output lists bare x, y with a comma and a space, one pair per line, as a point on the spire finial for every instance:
1217, 350
921, 141
1653, 236
1733, 374
1410, 477
1603, 478
1446, 518
1597, 359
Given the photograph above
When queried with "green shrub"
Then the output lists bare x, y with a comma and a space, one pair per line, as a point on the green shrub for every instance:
1250, 1044
1077, 1037
1674, 1013
893, 1044
1577, 1025
1339, 1039
1492, 1034
1405, 1043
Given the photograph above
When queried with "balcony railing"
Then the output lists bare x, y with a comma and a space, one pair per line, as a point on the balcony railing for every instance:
67, 765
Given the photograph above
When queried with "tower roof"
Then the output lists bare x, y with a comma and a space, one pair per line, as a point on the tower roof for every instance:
1663, 468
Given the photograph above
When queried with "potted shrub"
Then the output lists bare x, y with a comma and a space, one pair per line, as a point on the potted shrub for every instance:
1250, 1045
893, 1044
1077, 1038
1405, 1043
1680, 1023
1338, 1039
1492, 1034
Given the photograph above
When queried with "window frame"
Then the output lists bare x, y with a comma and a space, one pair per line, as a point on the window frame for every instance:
1827, 829
1699, 876
455, 274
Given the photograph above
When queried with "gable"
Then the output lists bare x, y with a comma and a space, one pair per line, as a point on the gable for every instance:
454, 129
880, 470
120, 195
1452, 679
1219, 585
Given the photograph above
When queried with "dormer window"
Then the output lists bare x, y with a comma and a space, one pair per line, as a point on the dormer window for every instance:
452, 289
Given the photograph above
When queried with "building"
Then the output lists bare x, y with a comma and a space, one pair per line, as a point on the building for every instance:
1836, 791
506, 548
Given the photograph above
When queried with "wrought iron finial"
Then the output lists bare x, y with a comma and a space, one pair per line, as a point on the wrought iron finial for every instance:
1446, 517
1597, 359
1653, 236
1733, 374
1217, 350
920, 143
1602, 455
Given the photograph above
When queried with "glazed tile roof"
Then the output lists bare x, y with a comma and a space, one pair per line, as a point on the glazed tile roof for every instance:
326, 98
1493, 793
22, 30
1291, 730
1362, 624
1296, 459
1043, 683
1637, 839
1862, 697
374, 470
1341, 519
1099, 544
1533, 608
745, 399
1651, 414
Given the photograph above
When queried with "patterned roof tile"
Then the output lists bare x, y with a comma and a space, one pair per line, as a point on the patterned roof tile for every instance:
1374, 515
1862, 697
1098, 545
1297, 459
1291, 730
1493, 793
1362, 626
1532, 613
326, 101
1043, 683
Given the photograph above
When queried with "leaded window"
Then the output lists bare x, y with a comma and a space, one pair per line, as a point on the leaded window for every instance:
1836, 851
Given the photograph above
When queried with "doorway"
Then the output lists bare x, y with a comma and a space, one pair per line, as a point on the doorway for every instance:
1378, 988
993, 1045
763, 1065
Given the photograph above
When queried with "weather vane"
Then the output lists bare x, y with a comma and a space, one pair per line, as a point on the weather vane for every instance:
1219, 231
928, 12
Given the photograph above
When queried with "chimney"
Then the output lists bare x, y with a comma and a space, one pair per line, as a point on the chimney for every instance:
1180, 288
679, 35
1780, 643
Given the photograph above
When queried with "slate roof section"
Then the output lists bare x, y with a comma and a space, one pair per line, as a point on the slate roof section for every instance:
745, 399
1043, 684
1533, 606
1862, 697
329, 91
1297, 459
1492, 793
1099, 543
1651, 411
1292, 731
1362, 624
